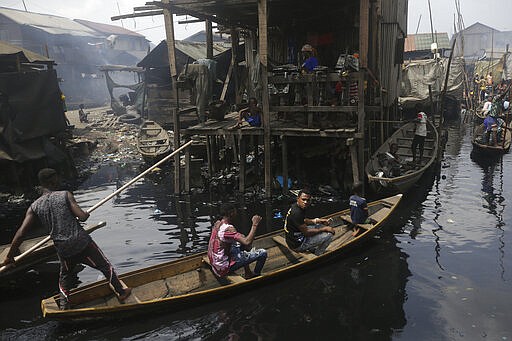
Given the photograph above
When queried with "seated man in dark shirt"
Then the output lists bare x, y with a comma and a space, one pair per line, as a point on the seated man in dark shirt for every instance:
301, 237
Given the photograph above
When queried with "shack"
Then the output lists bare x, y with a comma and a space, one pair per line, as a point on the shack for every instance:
318, 125
32, 121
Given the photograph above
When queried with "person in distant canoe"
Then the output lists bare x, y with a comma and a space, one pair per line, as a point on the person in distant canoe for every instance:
229, 250
251, 114
420, 133
358, 208
59, 212
306, 234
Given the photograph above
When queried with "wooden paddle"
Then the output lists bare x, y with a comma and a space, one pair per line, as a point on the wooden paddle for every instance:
101, 202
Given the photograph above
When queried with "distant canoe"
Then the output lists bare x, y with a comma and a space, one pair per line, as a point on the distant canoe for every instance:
380, 178
499, 148
39, 255
153, 141
188, 281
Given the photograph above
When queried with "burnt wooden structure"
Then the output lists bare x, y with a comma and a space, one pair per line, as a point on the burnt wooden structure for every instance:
350, 107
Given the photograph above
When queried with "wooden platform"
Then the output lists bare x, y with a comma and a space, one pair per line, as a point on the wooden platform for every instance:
279, 127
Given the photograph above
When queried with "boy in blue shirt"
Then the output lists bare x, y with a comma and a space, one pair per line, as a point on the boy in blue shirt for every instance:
358, 208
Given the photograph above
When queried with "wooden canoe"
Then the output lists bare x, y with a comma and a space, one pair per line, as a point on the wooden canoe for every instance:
41, 254
499, 148
153, 141
182, 283
379, 177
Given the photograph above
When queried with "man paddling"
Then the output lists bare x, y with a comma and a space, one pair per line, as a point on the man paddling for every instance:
59, 212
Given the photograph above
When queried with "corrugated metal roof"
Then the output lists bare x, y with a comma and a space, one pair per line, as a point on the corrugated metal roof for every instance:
48, 23
422, 41
198, 50
108, 29
24, 54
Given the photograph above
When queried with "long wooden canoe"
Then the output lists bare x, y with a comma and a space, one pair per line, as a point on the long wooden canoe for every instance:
182, 283
483, 148
379, 177
37, 256
153, 141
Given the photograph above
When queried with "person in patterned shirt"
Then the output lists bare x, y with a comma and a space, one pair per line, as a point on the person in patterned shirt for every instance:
59, 212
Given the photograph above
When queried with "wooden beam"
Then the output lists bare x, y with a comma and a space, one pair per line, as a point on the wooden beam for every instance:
355, 168
263, 53
181, 10
364, 13
235, 40
209, 39
284, 157
137, 15
243, 156
169, 32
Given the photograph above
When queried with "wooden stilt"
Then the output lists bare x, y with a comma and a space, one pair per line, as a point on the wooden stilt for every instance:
284, 152
187, 170
263, 52
355, 165
241, 186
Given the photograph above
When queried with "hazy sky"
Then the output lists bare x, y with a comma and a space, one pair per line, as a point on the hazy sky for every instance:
495, 13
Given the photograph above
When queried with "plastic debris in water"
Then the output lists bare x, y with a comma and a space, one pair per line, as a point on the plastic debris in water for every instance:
450, 221
157, 211
278, 215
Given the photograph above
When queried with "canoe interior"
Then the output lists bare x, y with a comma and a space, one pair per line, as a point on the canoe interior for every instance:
153, 140
409, 171
191, 277
498, 148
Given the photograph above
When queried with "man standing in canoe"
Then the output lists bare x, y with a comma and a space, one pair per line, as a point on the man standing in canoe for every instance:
301, 237
229, 250
59, 212
420, 133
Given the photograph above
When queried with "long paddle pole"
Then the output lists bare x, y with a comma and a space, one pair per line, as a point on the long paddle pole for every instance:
101, 202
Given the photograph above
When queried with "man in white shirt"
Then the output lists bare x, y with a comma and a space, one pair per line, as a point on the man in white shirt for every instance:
420, 132
487, 106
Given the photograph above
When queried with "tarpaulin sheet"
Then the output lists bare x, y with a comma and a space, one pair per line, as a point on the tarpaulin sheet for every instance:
30, 108
115, 103
418, 75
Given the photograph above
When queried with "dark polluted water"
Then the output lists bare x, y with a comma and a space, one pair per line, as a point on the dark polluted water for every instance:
440, 270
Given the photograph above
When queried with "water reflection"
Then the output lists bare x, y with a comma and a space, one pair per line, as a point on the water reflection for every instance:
494, 201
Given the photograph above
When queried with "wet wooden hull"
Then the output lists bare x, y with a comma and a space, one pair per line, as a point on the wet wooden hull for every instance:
484, 149
403, 138
153, 142
41, 254
188, 281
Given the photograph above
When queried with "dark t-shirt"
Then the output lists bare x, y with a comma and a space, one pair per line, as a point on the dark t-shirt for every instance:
53, 210
357, 212
294, 218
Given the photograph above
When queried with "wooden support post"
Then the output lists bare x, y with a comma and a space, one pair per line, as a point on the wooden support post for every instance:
187, 170
176, 138
364, 12
284, 152
209, 155
169, 32
360, 124
242, 148
235, 41
354, 158
209, 39
263, 52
